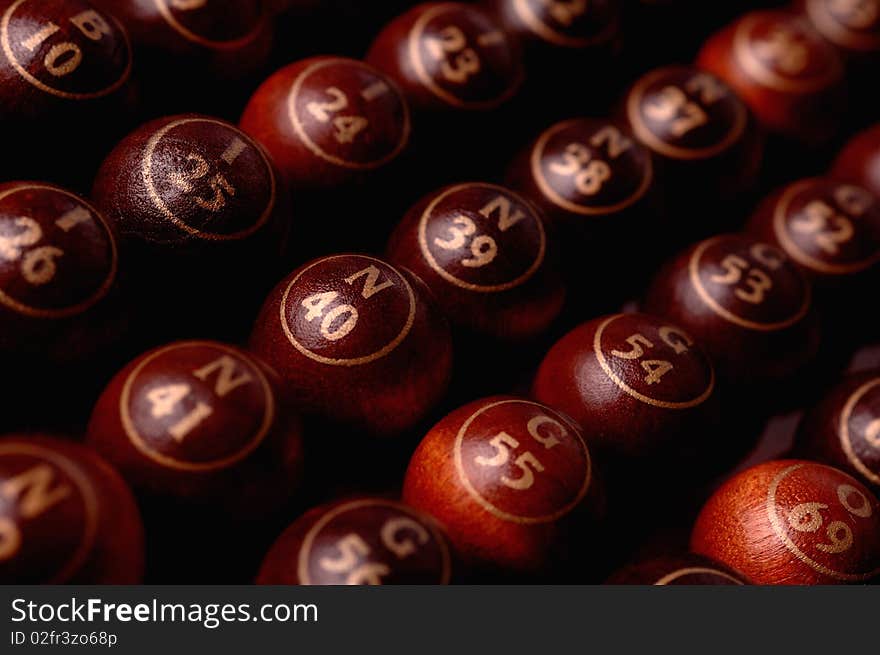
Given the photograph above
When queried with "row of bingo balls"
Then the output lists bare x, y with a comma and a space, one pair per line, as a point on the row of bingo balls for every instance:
504, 485
355, 338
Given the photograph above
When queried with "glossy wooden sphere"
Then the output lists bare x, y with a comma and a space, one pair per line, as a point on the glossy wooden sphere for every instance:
574, 28
702, 134
843, 429
201, 422
853, 27
589, 176
58, 271
201, 41
361, 541
859, 161
792, 522
485, 253
358, 341
684, 569
789, 76
192, 184
59, 59
329, 121
745, 302
450, 56
636, 384
830, 229
65, 516
510, 479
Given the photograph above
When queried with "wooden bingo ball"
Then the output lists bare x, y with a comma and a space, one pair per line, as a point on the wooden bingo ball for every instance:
205, 48
450, 57
61, 63
200, 422
65, 516
358, 341
359, 541
852, 26
201, 197
744, 302
859, 161
844, 428
589, 176
511, 480
637, 384
790, 77
483, 251
701, 133
329, 121
792, 522
58, 273
830, 229
683, 569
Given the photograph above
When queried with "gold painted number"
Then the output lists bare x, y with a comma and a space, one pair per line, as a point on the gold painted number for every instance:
164, 400
589, 174
464, 62
872, 433
757, 282
565, 12
346, 128
528, 465
338, 323
655, 368
672, 106
401, 536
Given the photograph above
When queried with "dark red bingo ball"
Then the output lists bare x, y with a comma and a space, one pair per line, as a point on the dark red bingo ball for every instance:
363, 541
450, 56
65, 516
483, 252
830, 229
636, 384
745, 302
58, 266
329, 121
358, 341
201, 422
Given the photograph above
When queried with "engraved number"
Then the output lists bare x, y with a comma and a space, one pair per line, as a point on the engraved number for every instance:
35, 491
672, 106
38, 266
338, 322
353, 550
757, 281
165, 400
829, 228
346, 127
807, 517
655, 368
62, 59
528, 465
484, 249
465, 61
589, 174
